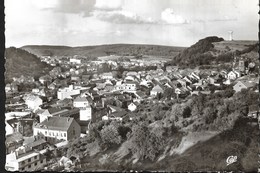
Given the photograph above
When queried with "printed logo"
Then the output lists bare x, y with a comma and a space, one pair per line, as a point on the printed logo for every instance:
231, 159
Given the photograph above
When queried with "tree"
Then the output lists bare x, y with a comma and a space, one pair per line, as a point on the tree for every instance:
110, 135
145, 144
168, 93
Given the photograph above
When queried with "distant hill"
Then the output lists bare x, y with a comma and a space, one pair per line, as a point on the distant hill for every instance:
104, 50
213, 50
20, 62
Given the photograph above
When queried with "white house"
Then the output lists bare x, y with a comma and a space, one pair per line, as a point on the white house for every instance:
128, 86
75, 61
108, 75
63, 128
33, 102
83, 104
156, 90
132, 107
243, 85
67, 92
232, 75
25, 159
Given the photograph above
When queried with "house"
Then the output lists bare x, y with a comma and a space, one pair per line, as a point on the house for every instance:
57, 128
25, 159
132, 107
37, 144
232, 75
170, 69
13, 141
156, 90
243, 85
75, 61
183, 82
11, 88
67, 92
118, 116
83, 104
128, 86
75, 78
45, 79
108, 75
33, 102
50, 112
65, 103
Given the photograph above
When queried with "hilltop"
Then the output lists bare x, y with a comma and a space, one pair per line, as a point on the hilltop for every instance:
103, 50
214, 50
20, 62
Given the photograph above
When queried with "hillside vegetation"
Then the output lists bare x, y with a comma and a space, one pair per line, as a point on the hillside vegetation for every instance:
198, 134
213, 50
103, 50
20, 62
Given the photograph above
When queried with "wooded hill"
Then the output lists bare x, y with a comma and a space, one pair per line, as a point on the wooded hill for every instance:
20, 62
104, 50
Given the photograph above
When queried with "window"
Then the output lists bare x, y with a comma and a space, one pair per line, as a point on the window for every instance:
22, 169
41, 161
35, 157
64, 134
29, 160
57, 134
23, 162
35, 164
29, 166
45, 132
52, 133
61, 134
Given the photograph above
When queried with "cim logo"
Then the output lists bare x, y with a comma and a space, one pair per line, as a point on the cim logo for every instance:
231, 159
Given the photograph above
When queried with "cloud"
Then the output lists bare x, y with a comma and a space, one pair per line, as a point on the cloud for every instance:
169, 17
121, 17
84, 7
111, 5
223, 18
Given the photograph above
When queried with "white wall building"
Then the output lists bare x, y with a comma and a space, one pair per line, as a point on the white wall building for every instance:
67, 92
62, 128
25, 159
33, 102
83, 104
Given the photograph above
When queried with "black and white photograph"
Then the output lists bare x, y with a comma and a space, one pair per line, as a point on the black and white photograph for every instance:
132, 85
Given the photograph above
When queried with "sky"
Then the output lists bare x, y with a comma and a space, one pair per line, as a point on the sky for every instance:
158, 22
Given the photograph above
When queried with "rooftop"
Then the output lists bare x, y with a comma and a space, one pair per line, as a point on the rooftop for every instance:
56, 123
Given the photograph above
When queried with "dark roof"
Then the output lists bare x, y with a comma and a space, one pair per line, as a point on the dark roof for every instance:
118, 114
36, 143
15, 137
80, 99
56, 123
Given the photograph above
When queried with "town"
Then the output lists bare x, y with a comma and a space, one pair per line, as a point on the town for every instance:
45, 115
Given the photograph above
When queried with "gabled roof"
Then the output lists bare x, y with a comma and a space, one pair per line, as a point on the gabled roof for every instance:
246, 83
80, 99
118, 113
140, 94
157, 88
56, 123
33, 98
36, 143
